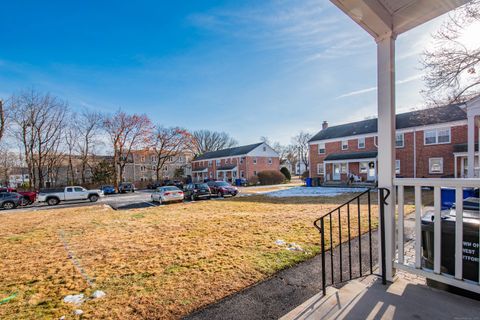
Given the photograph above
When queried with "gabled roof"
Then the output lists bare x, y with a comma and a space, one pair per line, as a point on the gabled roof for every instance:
230, 152
424, 117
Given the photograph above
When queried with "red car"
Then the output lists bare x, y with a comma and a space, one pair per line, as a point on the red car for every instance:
222, 188
29, 197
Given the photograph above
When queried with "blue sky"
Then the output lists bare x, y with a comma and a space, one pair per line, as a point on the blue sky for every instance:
250, 68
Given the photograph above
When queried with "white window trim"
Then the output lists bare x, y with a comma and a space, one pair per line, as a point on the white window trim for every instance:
403, 140
430, 165
254, 160
436, 136
399, 166
346, 148
270, 161
320, 166
321, 148
358, 142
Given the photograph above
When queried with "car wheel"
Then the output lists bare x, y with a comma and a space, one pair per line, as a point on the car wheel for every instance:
219, 194
24, 202
93, 198
52, 201
159, 201
8, 205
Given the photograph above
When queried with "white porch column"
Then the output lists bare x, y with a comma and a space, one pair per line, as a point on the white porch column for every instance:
386, 140
471, 146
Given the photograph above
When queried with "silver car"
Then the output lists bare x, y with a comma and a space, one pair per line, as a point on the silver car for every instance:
167, 194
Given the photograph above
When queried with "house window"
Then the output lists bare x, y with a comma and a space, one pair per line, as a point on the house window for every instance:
242, 174
254, 160
142, 159
211, 175
210, 163
241, 160
397, 166
321, 148
437, 136
344, 144
435, 165
363, 167
270, 161
399, 140
361, 143
264, 148
227, 161
343, 168
217, 162
254, 173
320, 168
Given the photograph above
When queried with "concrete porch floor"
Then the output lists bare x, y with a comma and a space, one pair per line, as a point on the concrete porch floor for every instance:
406, 298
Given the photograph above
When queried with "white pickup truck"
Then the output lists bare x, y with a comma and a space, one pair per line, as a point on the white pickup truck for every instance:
53, 196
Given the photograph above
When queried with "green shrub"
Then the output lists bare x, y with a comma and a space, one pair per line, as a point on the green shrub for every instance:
286, 173
253, 181
305, 175
270, 177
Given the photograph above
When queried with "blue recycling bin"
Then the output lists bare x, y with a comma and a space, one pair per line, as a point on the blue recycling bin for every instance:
308, 182
448, 196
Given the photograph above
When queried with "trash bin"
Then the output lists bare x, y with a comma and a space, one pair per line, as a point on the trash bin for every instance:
448, 196
308, 182
471, 224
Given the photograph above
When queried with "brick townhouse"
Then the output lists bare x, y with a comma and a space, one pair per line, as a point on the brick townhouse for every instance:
238, 162
429, 143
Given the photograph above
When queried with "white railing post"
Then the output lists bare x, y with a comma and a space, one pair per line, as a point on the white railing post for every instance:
400, 224
437, 227
459, 233
386, 141
418, 227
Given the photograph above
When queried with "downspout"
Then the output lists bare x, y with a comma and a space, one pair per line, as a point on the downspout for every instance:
414, 153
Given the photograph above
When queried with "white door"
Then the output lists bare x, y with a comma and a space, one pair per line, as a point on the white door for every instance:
336, 171
371, 175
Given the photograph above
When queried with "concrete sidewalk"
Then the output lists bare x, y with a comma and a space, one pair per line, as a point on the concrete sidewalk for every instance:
406, 298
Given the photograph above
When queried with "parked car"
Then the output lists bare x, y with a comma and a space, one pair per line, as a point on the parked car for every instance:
154, 185
107, 189
222, 188
196, 191
167, 194
125, 187
28, 197
10, 200
53, 196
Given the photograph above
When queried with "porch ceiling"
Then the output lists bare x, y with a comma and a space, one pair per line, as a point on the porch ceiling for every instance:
382, 17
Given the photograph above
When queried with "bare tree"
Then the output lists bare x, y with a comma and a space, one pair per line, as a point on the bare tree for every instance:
2, 120
300, 144
207, 140
126, 133
452, 67
38, 121
168, 143
88, 127
71, 140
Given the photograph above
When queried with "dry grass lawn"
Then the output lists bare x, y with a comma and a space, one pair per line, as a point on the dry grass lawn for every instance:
159, 262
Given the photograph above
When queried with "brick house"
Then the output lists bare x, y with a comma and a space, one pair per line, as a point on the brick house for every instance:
238, 162
429, 143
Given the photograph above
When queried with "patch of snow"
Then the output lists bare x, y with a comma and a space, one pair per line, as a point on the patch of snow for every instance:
280, 242
98, 294
313, 192
294, 247
78, 312
74, 298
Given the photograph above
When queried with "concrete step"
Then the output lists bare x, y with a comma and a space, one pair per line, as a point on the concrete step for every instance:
332, 304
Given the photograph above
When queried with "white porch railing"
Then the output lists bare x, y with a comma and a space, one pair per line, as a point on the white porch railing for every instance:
416, 266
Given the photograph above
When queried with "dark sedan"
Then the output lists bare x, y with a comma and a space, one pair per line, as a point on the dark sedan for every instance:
196, 191
222, 188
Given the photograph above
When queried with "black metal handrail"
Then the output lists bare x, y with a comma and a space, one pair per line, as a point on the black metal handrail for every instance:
320, 225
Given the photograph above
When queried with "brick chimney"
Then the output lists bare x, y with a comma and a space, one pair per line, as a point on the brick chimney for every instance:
324, 125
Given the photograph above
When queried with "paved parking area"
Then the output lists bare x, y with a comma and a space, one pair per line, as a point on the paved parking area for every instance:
138, 199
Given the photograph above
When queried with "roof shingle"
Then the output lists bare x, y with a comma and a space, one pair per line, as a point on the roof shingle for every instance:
230, 152
411, 119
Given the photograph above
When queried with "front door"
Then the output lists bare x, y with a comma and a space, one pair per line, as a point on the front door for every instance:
371, 175
336, 171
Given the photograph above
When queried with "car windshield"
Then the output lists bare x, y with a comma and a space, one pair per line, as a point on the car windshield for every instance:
201, 185
108, 186
222, 184
171, 189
